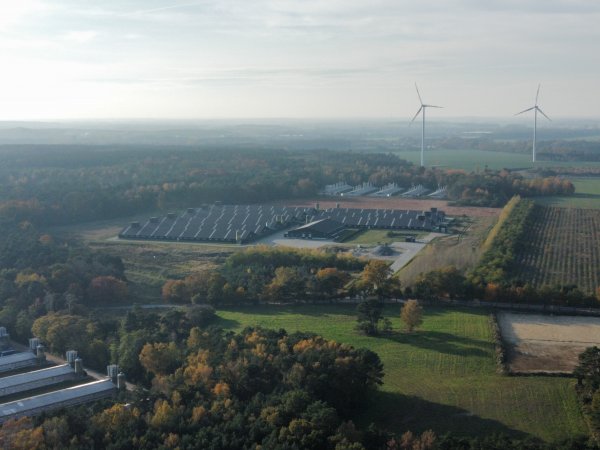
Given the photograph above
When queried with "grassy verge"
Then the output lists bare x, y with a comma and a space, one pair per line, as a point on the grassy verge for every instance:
462, 250
372, 237
442, 377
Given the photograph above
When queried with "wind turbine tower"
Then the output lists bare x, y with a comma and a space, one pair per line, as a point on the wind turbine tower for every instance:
422, 108
535, 109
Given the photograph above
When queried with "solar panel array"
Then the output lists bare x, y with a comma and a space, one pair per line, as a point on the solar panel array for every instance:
245, 223
228, 223
383, 218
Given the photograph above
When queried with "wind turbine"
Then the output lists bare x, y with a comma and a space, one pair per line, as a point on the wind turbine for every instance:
535, 108
422, 108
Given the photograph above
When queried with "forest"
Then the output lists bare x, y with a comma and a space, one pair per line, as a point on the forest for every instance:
53, 185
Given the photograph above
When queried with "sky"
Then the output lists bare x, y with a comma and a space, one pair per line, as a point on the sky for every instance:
183, 59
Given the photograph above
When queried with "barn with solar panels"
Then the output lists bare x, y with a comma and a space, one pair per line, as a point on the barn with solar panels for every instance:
217, 223
246, 223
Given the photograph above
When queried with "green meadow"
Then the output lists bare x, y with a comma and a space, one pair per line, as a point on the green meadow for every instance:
478, 160
587, 195
442, 377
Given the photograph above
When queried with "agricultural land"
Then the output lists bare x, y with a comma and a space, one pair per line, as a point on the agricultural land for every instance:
442, 377
471, 159
561, 246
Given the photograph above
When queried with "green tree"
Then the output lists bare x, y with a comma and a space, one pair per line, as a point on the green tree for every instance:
587, 372
329, 280
160, 358
370, 314
287, 284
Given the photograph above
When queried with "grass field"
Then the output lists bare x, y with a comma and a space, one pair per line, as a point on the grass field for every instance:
477, 159
369, 237
442, 377
587, 195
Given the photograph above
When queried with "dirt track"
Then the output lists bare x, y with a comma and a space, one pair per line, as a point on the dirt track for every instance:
547, 343
396, 203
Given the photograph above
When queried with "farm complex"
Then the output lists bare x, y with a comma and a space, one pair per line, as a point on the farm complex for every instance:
246, 223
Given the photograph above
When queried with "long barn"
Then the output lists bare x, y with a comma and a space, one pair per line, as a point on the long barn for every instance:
247, 223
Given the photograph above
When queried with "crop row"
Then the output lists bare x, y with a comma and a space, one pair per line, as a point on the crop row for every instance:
561, 247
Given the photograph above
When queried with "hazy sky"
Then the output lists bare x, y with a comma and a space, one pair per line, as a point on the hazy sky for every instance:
296, 58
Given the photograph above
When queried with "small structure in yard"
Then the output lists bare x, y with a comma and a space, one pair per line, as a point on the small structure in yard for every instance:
384, 250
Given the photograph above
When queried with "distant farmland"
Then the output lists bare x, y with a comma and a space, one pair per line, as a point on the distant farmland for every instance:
563, 248
479, 159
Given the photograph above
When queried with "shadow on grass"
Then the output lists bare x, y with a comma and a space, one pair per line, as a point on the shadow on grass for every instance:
323, 309
442, 342
304, 309
585, 195
399, 413
226, 324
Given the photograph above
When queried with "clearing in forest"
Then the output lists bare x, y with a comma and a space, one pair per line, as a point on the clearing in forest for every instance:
563, 247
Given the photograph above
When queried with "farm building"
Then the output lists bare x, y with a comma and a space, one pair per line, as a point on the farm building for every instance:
28, 381
217, 223
362, 189
388, 190
318, 229
384, 218
45, 383
337, 188
246, 223
18, 361
75, 395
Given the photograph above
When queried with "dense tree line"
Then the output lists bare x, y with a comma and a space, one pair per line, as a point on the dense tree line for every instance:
587, 373
57, 185
498, 261
450, 283
265, 273
285, 275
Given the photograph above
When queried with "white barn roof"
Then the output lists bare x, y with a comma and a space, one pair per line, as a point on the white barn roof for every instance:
64, 397
7, 362
36, 375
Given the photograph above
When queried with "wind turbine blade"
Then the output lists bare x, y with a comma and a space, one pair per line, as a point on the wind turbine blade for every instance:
537, 94
413, 119
525, 110
432, 106
421, 101
543, 114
